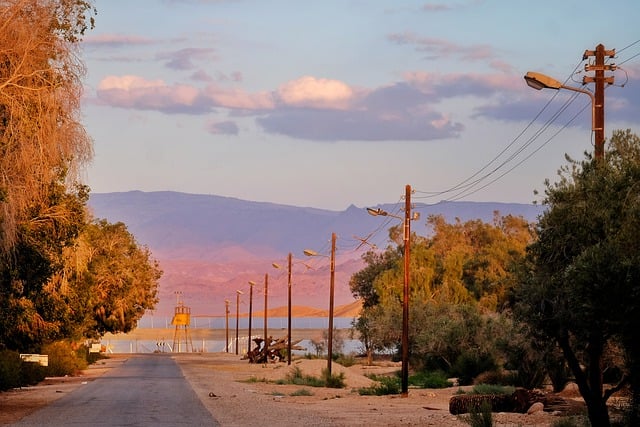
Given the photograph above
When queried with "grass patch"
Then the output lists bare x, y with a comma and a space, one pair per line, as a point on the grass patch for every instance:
302, 392
434, 379
386, 385
492, 389
295, 376
253, 379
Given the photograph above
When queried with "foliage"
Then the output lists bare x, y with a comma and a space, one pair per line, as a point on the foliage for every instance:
63, 359
302, 392
491, 389
10, 365
479, 417
457, 275
42, 141
581, 285
385, 385
432, 379
295, 376
112, 280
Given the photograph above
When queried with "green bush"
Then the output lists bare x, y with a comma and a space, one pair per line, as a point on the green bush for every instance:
469, 365
492, 389
433, 379
63, 360
386, 385
480, 418
333, 380
10, 366
32, 373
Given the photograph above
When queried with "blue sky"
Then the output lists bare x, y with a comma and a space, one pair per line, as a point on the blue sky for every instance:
338, 102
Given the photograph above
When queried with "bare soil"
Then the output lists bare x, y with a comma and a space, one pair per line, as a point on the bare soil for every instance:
238, 393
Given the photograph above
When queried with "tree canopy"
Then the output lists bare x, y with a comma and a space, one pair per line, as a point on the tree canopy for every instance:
581, 287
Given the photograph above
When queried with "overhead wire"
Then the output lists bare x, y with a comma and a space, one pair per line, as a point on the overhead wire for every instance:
478, 181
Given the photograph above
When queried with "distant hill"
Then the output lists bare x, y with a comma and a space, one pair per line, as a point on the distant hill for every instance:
209, 246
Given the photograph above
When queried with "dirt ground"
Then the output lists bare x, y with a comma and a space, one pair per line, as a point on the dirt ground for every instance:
238, 393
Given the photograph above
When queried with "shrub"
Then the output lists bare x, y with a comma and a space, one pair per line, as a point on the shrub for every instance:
386, 385
492, 389
333, 380
62, 359
10, 365
480, 418
32, 373
469, 365
433, 379
301, 392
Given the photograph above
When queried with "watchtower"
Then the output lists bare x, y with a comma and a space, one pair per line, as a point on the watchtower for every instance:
182, 320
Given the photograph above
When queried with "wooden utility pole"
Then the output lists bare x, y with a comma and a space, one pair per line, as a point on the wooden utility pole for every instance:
405, 293
331, 292
600, 80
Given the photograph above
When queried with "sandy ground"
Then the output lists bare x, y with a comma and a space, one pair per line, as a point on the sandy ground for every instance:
238, 393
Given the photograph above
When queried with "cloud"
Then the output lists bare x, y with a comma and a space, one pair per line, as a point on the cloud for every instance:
116, 40
222, 128
183, 59
315, 93
137, 93
437, 48
321, 109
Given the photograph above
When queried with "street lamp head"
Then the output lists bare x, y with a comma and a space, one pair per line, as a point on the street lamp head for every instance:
310, 252
377, 212
252, 283
275, 265
540, 81
239, 292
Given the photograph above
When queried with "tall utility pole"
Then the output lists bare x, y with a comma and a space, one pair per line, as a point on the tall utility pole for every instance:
226, 314
405, 294
332, 281
289, 313
599, 79
266, 291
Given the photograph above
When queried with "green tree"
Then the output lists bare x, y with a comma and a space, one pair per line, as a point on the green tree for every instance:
582, 287
112, 280
457, 274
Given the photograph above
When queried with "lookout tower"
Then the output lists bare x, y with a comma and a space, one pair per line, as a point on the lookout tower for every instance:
181, 320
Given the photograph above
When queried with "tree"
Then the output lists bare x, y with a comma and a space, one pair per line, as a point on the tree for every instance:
41, 138
110, 280
458, 273
582, 281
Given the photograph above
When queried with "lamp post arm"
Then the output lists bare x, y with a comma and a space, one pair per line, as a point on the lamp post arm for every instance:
593, 103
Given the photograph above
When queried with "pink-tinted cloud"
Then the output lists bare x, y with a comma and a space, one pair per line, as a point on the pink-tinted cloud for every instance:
138, 93
316, 93
116, 40
440, 48
329, 110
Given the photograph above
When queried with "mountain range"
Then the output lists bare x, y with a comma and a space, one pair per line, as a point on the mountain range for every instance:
210, 246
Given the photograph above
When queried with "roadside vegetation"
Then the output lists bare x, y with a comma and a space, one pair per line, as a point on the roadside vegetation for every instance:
65, 277
517, 304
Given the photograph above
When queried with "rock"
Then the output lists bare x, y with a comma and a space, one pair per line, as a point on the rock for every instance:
536, 407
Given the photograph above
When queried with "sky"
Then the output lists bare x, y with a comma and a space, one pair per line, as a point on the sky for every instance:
331, 103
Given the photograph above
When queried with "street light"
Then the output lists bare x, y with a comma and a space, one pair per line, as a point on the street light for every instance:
251, 285
275, 265
405, 298
238, 293
539, 81
332, 262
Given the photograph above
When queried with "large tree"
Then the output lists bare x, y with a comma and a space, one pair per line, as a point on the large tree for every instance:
582, 287
42, 141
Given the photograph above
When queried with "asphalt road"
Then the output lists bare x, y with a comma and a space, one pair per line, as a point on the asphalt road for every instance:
146, 390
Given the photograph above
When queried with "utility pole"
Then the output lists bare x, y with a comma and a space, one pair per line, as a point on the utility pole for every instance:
405, 294
599, 79
332, 281
226, 313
